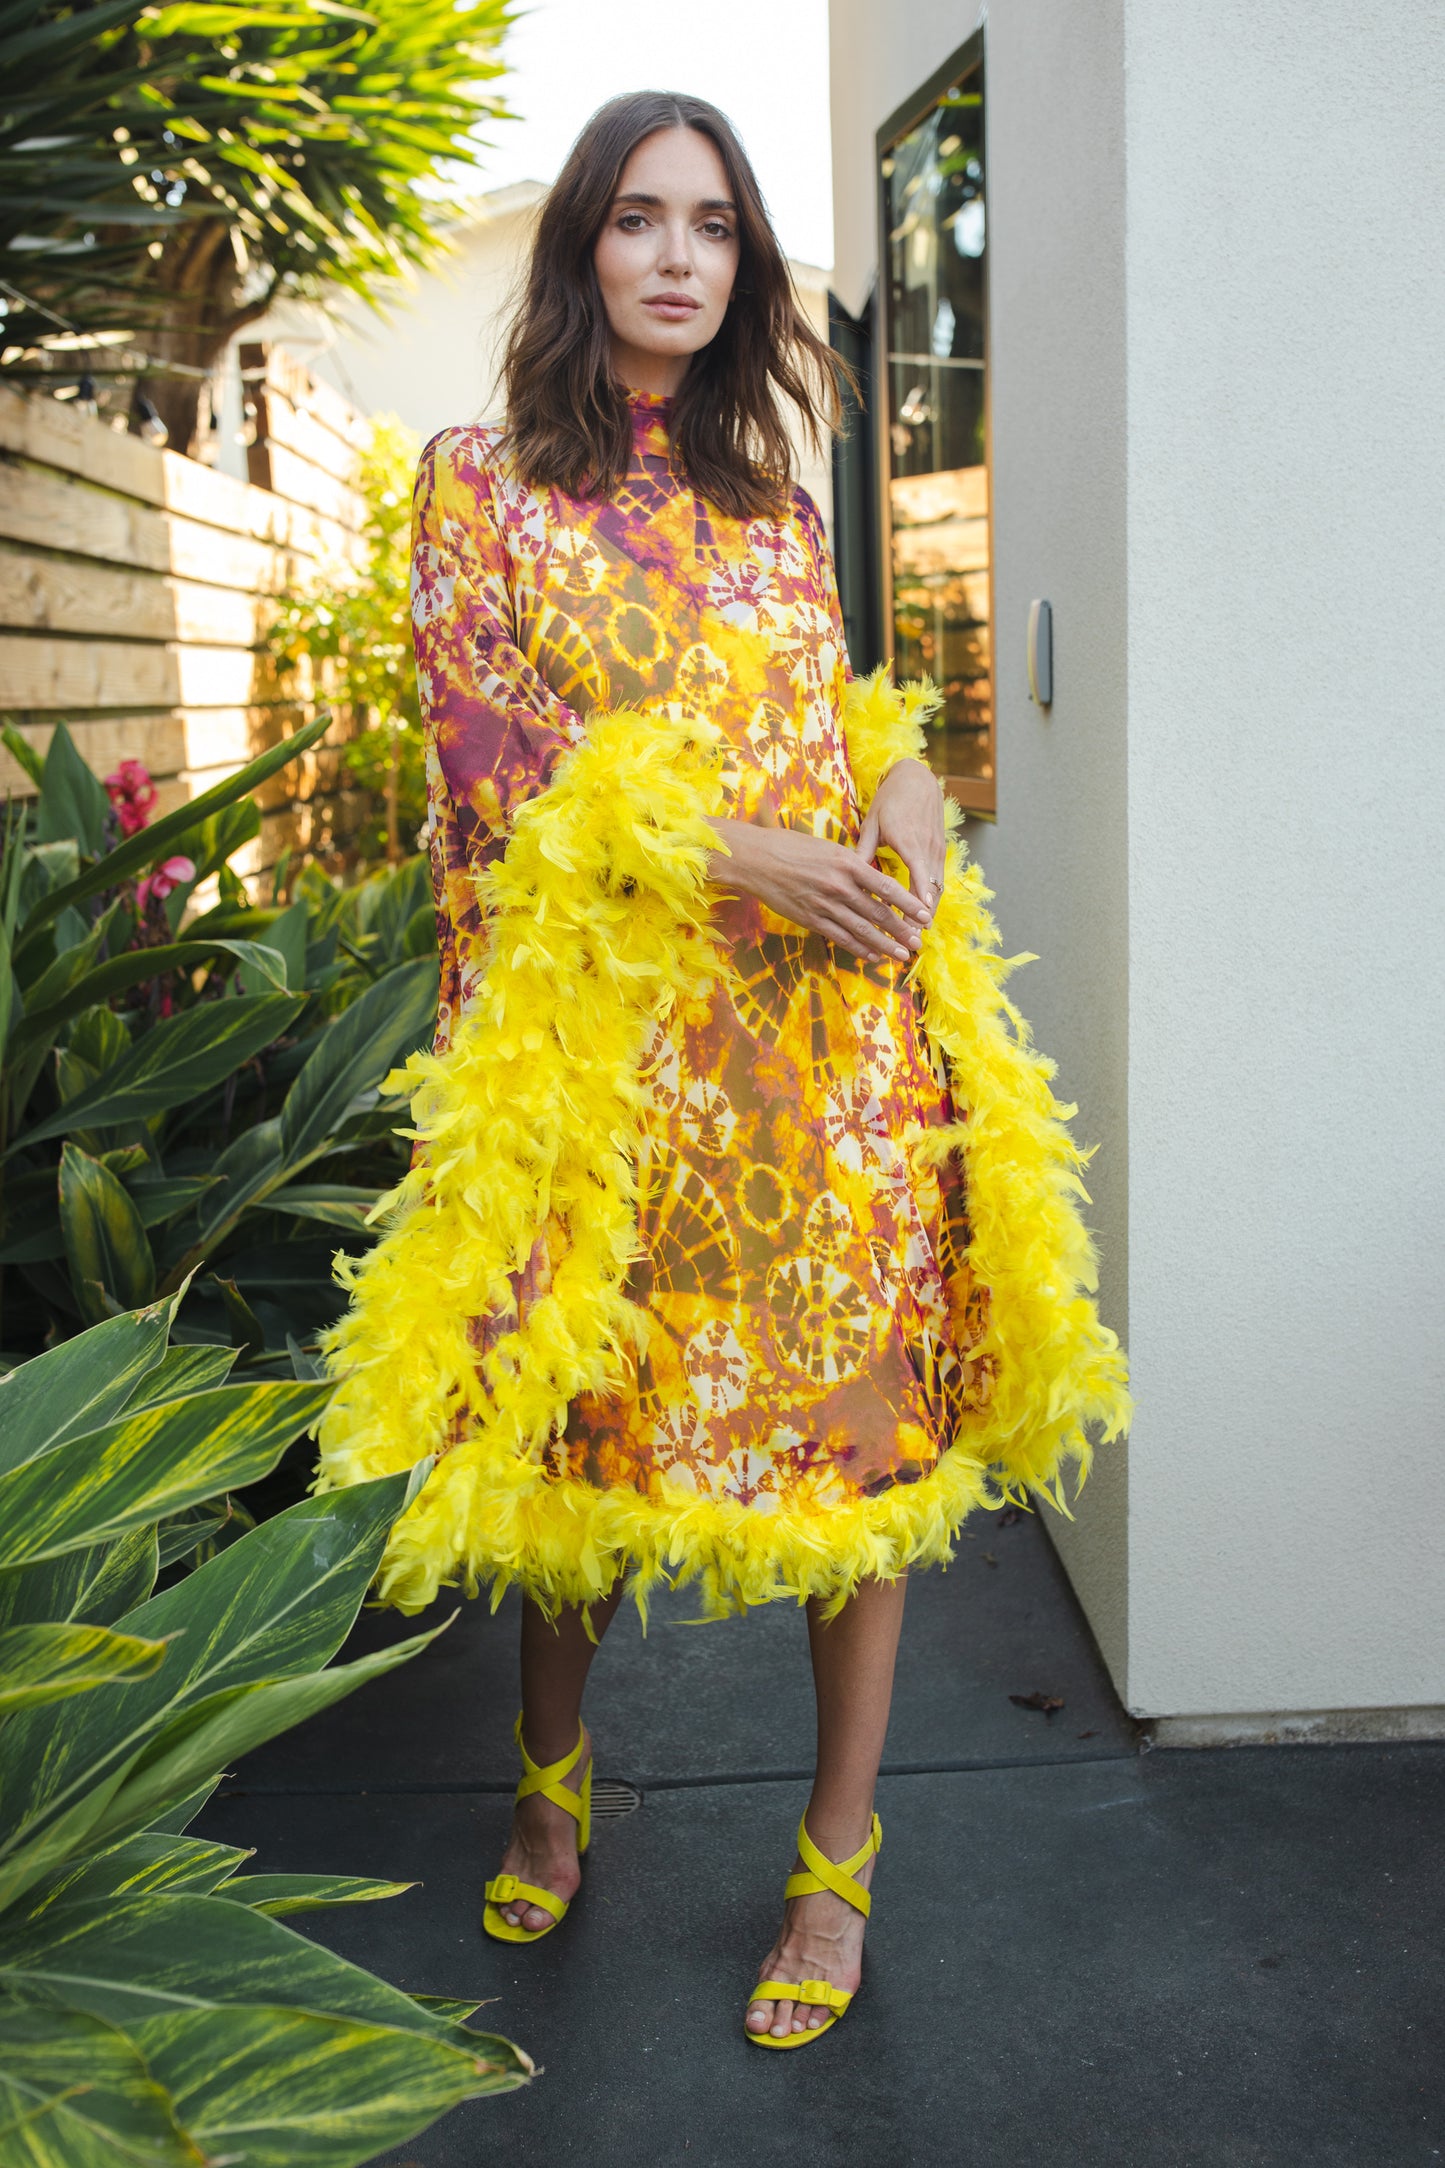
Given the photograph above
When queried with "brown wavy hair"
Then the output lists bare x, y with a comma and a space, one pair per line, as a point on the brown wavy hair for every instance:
567, 419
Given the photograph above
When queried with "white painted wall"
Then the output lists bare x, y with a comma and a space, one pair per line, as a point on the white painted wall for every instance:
1216, 321
1286, 319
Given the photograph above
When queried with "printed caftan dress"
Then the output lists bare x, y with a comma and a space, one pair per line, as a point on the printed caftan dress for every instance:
802, 1347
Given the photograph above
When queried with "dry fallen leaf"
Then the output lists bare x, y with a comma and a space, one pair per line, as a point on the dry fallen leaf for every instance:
1049, 1703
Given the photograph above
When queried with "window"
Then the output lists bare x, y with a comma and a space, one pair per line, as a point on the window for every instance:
933, 454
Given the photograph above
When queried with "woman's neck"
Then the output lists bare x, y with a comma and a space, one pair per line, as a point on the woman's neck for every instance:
640, 371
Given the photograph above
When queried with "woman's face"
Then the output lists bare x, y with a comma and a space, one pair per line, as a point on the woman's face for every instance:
667, 257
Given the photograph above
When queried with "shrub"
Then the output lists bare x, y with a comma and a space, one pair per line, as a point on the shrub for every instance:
196, 1109
153, 2005
354, 626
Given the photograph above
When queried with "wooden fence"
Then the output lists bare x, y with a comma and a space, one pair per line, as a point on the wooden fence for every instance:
137, 588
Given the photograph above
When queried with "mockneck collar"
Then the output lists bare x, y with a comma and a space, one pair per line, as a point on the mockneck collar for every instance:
651, 416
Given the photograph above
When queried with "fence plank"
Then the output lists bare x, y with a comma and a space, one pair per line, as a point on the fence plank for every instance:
169, 744
66, 594
42, 672
299, 482
54, 433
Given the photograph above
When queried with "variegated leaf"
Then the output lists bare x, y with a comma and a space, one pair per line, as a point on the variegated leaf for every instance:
80, 1384
278, 1603
49, 1662
291, 2089
143, 1466
75, 2092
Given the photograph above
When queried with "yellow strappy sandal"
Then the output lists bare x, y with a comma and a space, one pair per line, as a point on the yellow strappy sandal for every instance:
504, 1889
817, 1873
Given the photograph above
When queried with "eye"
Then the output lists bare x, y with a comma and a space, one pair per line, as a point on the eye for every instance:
631, 222
718, 229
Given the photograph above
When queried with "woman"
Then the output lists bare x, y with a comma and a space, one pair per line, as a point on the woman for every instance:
740, 1243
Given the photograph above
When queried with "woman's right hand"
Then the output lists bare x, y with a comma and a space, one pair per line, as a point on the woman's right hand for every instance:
824, 886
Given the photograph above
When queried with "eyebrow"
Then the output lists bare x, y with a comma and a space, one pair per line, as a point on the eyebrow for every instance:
655, 203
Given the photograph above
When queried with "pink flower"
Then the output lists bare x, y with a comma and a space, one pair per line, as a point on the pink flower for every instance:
158, 885
132, 793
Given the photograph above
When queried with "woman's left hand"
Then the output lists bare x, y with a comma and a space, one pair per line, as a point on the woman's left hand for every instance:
907, 816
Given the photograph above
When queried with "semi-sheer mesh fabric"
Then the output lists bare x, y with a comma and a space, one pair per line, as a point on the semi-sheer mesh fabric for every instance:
803, 1347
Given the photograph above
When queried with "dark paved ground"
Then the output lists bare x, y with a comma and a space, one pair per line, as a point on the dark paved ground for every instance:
1081, 1956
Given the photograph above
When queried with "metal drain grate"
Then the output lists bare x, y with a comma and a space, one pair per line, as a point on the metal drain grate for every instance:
611, 1799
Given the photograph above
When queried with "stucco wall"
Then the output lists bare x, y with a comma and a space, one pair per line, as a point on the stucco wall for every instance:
1286, 318
1215, 315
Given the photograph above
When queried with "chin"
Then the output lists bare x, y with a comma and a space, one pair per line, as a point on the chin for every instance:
671, 339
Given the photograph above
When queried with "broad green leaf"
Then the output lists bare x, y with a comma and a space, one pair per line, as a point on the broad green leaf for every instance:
243, 1174
143, 1466
50, 1662
135, 1958
182, 1533
73, 802
147, 1864
279, 1894
80, 1384
162, 838
163, 1197
248, 1331
76, 2093
177, 1061
211, 1734
94, 1587
286, 937
264, 971
180, 1817
277, 1604
182, 1370
303, 1363
334, 1204
104, 1238
356, 1051
288, 2088
64, 975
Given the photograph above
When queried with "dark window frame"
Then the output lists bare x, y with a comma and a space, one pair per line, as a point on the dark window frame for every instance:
977, 795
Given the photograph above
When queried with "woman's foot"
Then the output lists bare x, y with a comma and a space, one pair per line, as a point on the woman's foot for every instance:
821, 1939
542, 1850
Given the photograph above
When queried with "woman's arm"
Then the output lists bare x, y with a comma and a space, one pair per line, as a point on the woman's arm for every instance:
837, 892
498, 727
825, 886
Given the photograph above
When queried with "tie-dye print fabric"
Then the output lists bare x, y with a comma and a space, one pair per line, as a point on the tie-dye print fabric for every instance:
802, 1348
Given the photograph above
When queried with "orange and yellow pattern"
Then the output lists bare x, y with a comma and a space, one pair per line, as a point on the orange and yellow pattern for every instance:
814, 1334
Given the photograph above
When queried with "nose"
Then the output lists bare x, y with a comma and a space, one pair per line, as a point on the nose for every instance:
675, 253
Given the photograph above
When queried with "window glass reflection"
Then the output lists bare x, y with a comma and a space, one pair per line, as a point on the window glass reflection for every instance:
933, 195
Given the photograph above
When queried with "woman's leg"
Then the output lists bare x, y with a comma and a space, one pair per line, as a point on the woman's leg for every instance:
555, 1662
853, 1654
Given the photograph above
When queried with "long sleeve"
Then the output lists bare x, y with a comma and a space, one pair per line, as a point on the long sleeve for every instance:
811, 521
496, 725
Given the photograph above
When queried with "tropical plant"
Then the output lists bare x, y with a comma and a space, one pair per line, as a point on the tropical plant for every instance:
183, 167
354, 626
154, 2008
192, 1105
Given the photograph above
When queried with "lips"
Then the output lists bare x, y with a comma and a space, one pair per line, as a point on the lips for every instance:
678, 305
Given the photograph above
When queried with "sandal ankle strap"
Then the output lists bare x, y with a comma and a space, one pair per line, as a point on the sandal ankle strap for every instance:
819, 1872
549, 1780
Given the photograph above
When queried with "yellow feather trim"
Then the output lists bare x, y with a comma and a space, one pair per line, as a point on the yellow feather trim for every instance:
598, 924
